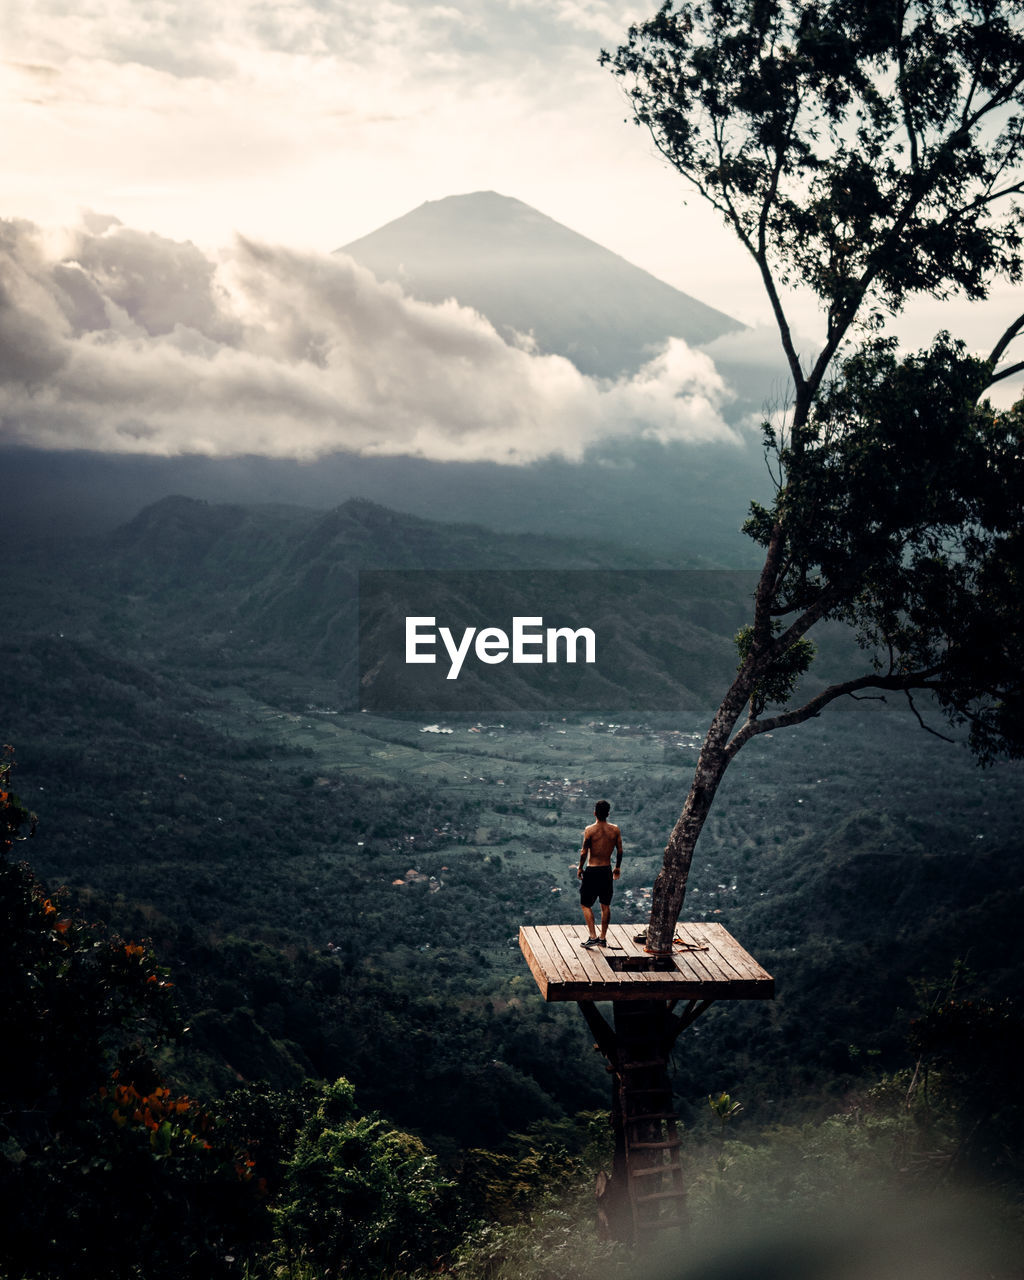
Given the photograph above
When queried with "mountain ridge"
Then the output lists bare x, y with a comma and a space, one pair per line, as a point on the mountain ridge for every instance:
214, 587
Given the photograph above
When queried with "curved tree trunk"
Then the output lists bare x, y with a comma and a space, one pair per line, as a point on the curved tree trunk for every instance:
715, 756
714, 759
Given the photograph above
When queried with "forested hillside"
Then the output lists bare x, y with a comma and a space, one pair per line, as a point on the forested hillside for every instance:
336, 894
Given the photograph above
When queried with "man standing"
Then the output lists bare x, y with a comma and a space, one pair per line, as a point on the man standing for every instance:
599, 839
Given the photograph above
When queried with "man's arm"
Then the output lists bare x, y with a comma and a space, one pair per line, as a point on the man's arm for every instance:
618, 854
583, 854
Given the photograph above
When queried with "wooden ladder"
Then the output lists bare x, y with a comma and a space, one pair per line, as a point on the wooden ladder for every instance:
654, 1171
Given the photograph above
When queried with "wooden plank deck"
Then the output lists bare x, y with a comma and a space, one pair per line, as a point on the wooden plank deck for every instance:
565, 971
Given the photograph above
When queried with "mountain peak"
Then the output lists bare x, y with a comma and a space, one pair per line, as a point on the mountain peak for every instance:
529, 274
494, 198
489, 204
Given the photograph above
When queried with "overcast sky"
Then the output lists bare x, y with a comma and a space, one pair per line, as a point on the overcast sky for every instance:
311, 124
305, 125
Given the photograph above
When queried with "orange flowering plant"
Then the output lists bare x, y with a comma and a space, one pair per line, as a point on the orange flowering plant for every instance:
103, 1169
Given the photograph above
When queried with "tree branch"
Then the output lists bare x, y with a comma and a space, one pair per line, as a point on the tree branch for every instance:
1008, 372
908, 123
980, 202
753, 727
965, 114
917, 715
782, 323
998, 99
814, 613
765, 591
848, 314
1004, 342
725, 206
761, 256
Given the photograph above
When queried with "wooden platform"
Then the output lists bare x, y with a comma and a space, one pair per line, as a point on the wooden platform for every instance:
720, 970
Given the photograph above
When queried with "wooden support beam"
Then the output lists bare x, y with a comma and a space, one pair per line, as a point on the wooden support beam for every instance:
600, 1029
680, 1021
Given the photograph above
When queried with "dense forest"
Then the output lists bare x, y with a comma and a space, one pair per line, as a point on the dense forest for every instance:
278, 1018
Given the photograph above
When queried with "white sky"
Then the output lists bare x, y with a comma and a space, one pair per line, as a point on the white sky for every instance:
308, 123
313, 124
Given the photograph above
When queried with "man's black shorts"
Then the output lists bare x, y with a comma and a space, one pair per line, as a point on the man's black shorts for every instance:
596, 885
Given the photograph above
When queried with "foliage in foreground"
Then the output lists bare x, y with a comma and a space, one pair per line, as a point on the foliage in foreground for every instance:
358, 1192
103, 1170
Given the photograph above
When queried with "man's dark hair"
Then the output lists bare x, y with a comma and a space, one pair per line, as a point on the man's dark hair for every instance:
601, 810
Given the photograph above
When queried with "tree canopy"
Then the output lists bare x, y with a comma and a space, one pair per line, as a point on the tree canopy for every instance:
867, 153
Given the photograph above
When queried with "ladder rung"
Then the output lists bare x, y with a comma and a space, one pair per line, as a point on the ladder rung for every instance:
655, 1146
650, 1171
658, 1223
651, 1115
661, 1195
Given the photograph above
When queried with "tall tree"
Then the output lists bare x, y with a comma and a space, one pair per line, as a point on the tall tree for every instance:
870, 153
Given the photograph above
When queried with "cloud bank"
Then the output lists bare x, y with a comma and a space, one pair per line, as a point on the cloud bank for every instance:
118, 340
455, 40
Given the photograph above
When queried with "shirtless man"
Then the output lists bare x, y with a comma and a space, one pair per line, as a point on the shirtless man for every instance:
599, 839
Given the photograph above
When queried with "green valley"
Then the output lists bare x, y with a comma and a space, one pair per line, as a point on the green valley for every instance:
338, 894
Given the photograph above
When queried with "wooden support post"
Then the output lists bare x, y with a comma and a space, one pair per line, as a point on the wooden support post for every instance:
644, 1193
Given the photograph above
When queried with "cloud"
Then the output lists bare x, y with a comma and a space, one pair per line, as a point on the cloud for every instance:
314, 122
118, 340
191, 40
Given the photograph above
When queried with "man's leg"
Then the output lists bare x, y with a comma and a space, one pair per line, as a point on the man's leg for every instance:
606, 915
588, 915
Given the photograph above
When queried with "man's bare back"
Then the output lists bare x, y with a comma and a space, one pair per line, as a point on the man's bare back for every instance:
600, 841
